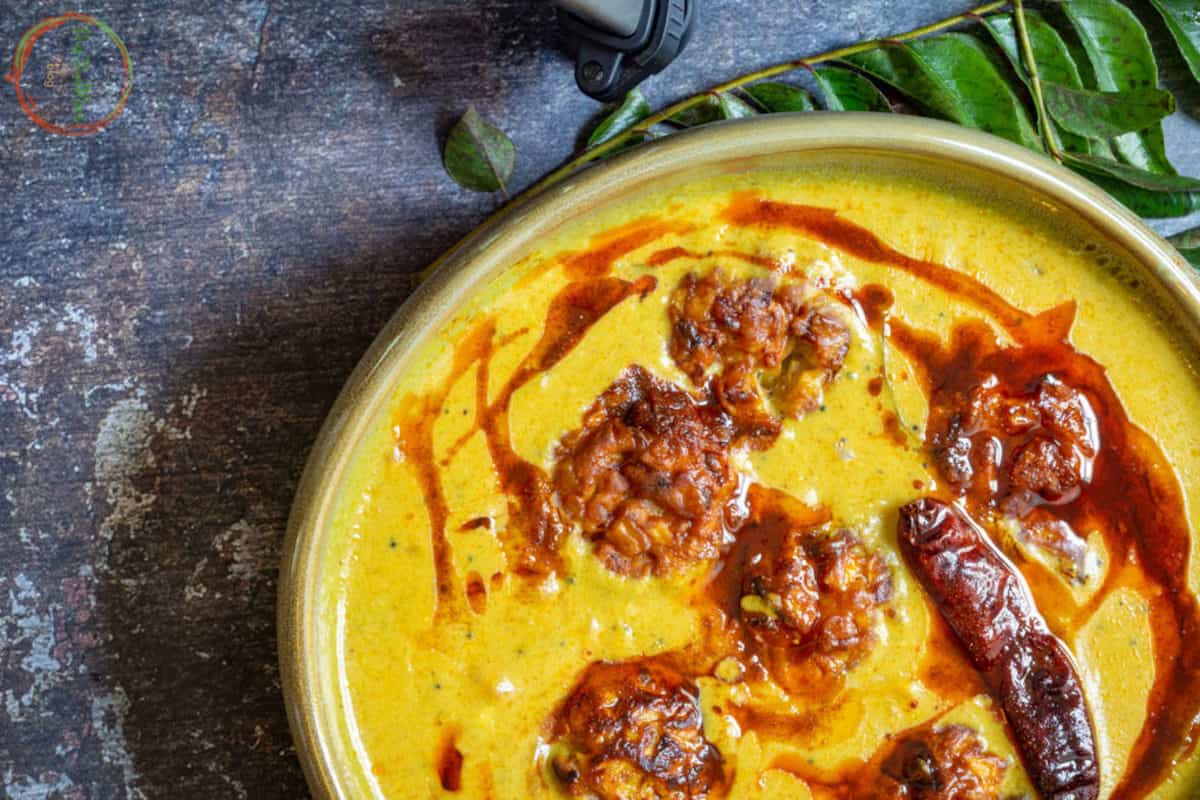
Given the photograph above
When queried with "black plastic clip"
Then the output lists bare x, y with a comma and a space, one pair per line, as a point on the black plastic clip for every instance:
607, 66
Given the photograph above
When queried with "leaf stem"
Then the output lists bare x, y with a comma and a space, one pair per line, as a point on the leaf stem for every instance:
1045, 124
642, 129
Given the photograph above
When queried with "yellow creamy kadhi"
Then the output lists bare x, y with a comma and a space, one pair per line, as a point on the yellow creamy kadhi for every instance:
781, 485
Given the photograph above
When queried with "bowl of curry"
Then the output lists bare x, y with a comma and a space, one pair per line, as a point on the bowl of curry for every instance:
810, 456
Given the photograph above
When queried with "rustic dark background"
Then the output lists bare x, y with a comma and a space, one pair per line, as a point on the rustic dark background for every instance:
182, 295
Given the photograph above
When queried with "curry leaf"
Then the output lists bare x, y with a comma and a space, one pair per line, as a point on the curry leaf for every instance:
707, 110
1121, 58
1146, 203
774, 97
479, 155
632, 110
1054, 62
897, 66
846, 90
1103, 115
714, 107
955, 76
733, 107
1154, 181
1183, 20
1145, 193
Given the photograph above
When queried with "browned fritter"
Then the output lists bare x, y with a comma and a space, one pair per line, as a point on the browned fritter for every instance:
1017, 451
647, 475
747, 333
811, 603
948, 763
634, 731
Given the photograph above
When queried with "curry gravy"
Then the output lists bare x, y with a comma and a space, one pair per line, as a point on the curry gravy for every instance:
468, 599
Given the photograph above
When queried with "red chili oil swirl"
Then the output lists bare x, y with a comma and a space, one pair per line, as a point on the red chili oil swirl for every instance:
669, 254
414, 428
602, 252
748, 209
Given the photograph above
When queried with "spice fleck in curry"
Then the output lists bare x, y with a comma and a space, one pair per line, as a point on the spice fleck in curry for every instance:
782, 486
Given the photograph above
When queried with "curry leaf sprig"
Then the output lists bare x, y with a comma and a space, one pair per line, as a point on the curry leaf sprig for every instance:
1076, 80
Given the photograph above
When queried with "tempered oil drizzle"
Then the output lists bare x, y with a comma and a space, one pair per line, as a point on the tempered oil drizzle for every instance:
823, 224
669, 254
944, 669
598, 258
418, 415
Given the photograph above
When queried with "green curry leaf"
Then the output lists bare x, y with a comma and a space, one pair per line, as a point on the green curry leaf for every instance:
1183, 20
1122, 60
774, 96
846, 90
714, 107
1103, 115
1188, 245
1188, 238
1054, 62
706, 111
1190, 255
733, 107
900, 68
956, 76
478, 155
1145, 203
1143, 179
632, 110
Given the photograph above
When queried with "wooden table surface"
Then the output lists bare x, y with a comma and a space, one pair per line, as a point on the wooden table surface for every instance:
183, 294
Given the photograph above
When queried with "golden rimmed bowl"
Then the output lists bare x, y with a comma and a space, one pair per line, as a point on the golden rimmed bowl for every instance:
783, 141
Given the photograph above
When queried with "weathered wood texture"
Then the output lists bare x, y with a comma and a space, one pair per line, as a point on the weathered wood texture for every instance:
181, 297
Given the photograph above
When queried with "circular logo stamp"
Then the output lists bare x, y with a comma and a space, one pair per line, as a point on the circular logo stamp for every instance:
72, 74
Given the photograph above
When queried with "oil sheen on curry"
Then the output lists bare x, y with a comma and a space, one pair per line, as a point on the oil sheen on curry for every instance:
782, 486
